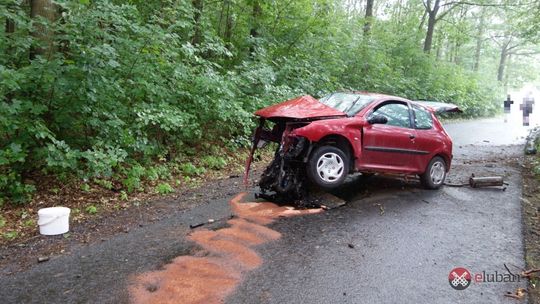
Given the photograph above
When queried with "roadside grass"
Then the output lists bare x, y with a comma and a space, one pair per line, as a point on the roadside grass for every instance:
531, 221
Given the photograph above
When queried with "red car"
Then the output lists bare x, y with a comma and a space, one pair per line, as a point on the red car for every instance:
345, 132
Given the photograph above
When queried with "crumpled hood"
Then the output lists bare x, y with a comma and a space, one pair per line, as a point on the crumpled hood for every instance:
304, 107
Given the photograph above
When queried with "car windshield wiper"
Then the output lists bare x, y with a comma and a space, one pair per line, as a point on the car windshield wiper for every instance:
352, 106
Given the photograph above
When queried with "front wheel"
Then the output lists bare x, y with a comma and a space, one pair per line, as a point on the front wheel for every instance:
435, 173
328, 167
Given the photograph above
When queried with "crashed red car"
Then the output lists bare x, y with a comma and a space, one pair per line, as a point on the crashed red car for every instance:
346, 132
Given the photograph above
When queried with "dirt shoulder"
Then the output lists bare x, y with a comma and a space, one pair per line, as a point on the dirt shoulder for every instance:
531, 222
115, 216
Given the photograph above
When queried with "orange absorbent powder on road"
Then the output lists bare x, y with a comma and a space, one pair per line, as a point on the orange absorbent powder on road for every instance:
229, 253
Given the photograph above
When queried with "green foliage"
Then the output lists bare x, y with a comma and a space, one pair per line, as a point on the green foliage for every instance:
191, 170
85, 188
106, 184
158, 172
132, 183
164, 188
133, 180
10, 235
126, 86
91, 209
214, 162
123, 195
29, 223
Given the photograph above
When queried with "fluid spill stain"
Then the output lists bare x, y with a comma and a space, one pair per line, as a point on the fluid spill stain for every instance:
209, 279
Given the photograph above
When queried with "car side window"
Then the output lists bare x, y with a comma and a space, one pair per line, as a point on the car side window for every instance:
422, 118
396, 113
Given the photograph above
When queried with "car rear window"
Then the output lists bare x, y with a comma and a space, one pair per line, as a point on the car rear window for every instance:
422, 118
348, 103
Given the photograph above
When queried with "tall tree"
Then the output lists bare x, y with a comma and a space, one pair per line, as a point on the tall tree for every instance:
10, 29
10, 26
369, 17
256, 14
479, 40
225, 23
228, 32
198, 6
432, 11
438, 9
47, 10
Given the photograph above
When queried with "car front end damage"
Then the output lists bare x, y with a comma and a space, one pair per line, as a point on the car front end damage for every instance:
284, 179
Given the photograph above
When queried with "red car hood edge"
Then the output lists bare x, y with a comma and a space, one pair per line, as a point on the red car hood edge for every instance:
299, 108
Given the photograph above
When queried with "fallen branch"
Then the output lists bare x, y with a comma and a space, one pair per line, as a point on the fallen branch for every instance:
518, 295
529, 273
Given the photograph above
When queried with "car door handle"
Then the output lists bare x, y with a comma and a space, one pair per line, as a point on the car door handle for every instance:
411, 136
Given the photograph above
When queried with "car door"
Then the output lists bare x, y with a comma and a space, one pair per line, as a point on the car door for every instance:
428, 138
389, 146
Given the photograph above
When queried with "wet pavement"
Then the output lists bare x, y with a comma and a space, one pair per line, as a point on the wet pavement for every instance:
393, 242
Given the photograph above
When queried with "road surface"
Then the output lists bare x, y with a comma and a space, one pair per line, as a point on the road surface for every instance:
393, 242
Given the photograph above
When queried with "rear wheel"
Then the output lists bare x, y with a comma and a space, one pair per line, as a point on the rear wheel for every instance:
328, 167
435, 173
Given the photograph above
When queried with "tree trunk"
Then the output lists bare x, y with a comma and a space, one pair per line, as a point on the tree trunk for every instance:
508, 71
439, 51
10, 26
479, 42
369, 17
198, 6
256, 15
227, 35
45, 35
448, 51
502, 63
10, 29
457, 47
430, 29
432, 20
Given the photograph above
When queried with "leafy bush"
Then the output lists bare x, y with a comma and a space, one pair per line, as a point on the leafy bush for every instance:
214, 162
190, 170
106, 184
91, 209
164, 188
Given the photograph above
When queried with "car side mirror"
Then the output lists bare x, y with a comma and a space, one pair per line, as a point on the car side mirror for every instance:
377, 119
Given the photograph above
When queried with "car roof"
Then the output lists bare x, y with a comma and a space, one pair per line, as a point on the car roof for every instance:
377, 96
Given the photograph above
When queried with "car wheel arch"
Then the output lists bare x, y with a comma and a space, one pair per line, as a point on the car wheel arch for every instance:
445, 157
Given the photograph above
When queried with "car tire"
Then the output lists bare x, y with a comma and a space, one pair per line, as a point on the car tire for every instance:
435, 173
328, 167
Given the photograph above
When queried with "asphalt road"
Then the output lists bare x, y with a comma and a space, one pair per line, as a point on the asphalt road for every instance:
405, 241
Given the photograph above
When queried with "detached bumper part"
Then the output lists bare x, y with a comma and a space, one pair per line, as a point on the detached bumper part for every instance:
256, 138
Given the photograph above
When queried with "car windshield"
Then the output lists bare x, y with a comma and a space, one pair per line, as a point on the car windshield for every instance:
348, 103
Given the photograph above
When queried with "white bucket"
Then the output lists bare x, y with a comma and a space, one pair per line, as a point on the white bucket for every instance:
54, 220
